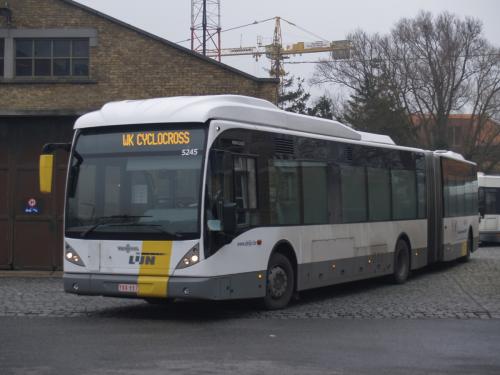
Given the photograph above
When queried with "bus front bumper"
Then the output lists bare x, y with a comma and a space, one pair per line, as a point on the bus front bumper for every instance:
246, 285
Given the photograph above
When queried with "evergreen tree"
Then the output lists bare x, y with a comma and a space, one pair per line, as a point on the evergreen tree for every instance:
323, 107
372, 109
293, 96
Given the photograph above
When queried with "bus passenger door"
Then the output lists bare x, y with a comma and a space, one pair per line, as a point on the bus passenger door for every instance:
245, 189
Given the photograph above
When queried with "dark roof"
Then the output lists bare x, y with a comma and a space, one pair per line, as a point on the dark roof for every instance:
171, 44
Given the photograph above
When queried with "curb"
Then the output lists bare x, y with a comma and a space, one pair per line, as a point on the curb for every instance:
31, 274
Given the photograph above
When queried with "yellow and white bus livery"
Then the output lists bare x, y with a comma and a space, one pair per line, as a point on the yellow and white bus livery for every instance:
489, 207
228, 197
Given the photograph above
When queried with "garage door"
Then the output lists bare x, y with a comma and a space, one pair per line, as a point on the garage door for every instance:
31, 223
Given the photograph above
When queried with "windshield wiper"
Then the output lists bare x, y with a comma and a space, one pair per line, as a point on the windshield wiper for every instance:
107, 220
92, 228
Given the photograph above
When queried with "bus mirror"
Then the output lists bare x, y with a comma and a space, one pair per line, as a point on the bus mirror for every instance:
229, 218
46, 165
46, 171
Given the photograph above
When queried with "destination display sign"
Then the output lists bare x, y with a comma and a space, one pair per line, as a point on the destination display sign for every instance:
156, 138
163, 140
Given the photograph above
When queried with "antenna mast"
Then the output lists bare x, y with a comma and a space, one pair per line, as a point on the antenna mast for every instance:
205, 27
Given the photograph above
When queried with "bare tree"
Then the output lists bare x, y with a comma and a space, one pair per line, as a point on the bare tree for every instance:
434, 57
482, 138
431, 67
374, 99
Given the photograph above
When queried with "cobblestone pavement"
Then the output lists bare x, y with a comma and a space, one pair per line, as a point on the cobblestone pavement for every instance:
457, 291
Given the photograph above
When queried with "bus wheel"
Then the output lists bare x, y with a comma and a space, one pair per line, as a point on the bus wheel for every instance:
401, 262
280, 282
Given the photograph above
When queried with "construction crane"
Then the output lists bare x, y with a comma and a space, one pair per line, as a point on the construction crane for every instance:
206, 33
276, 52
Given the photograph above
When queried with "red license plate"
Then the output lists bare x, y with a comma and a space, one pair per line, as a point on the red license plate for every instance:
127, 288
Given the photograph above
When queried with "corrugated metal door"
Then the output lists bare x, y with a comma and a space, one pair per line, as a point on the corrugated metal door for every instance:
33, 220
5, 223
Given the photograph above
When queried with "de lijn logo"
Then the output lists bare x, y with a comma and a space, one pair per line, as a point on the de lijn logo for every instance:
128, 249
138, 258
145, 259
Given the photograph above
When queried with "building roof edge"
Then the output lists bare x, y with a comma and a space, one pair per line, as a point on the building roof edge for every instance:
169, 43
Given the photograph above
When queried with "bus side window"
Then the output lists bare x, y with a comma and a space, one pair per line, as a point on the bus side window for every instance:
379, 194
315, 192
215, 184
219, 187
245, 188
491, 201
353, 182
404, 194
284, 189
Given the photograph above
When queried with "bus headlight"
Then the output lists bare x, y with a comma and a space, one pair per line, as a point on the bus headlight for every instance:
191, 257
72, 256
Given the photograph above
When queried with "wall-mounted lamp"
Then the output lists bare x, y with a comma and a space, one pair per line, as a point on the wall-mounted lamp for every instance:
6, 12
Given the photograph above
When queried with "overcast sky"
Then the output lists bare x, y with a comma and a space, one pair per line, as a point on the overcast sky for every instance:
330, 19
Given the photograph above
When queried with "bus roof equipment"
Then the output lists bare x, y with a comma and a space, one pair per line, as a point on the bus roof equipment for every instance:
204, 108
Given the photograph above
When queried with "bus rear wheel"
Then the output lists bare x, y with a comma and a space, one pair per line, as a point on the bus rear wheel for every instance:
280, 282
401, 262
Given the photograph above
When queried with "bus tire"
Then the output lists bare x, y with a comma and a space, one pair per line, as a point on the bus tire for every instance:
466, 257
280, 282
401, 262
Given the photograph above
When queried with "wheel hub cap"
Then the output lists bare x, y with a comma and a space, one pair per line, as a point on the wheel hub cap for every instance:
277, 281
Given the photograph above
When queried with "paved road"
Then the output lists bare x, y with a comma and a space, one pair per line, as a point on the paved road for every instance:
463, 291
445, 320
110, 346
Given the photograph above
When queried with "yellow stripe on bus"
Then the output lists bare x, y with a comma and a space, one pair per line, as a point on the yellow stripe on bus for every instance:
463, 251
154, 270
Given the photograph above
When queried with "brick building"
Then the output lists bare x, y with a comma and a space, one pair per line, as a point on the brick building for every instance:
59, 59
475, 137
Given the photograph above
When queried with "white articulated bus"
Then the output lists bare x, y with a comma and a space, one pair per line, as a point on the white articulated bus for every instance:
228, 197
489, 207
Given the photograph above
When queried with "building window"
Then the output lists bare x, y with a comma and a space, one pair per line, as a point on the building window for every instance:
2, 49
52, 57
455, 137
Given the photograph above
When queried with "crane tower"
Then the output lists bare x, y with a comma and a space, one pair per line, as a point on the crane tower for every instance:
205, 27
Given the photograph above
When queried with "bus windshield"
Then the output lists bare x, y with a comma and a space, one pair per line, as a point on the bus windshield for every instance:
131, 184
